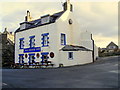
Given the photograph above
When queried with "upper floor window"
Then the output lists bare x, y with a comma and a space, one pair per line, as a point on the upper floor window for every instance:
45, 39
112, 47
32, 41
63, 39
21, 46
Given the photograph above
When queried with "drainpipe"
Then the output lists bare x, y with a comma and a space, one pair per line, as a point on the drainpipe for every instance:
93, 48
93, 51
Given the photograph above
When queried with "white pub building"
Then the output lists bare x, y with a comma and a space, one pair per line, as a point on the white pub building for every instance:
54, 39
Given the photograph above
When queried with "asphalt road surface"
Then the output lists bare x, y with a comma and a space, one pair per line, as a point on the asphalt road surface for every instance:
101, 74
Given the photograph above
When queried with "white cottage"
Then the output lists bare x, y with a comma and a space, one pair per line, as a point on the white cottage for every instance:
55, 39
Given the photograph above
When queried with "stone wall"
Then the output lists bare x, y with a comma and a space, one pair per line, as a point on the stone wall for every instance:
6, 50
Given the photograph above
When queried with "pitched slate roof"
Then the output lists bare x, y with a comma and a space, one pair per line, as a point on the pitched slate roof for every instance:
74, 48
37, 22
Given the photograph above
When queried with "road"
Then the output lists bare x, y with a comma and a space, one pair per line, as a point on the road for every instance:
101, 74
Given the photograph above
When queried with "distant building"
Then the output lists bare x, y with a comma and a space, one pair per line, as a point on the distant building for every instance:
110, 50
112, 47
54, 38
6, 47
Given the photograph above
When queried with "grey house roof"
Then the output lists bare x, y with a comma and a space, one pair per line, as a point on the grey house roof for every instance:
74, 48
37, 22
111, 44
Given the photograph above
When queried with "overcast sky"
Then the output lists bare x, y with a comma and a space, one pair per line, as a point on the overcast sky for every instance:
100, 18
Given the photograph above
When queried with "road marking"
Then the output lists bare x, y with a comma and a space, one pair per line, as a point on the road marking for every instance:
114, 71
4, 84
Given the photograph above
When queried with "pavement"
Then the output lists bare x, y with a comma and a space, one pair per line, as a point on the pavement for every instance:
101, 74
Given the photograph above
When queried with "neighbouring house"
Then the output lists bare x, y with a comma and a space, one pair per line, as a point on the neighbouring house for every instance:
111, 47
110, 50
6, 48
55, 38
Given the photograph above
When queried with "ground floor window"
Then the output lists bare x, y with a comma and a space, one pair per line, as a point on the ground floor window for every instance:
21, 58
31, 58
44, 57
70, 55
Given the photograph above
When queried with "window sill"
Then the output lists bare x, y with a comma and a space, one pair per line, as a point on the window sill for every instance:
63, 44
32, 47
70, 58
45, 46
21, 48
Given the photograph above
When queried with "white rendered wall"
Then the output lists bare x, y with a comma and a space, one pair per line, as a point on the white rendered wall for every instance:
85, 40
53, 39
79, 57
72, 31
55, 29
95, 52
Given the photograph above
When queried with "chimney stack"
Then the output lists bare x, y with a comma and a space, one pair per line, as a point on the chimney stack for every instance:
28, 18
5, 29
67, 6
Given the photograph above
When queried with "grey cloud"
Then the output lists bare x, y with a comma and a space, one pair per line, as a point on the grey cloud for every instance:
97, 21
12, 20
